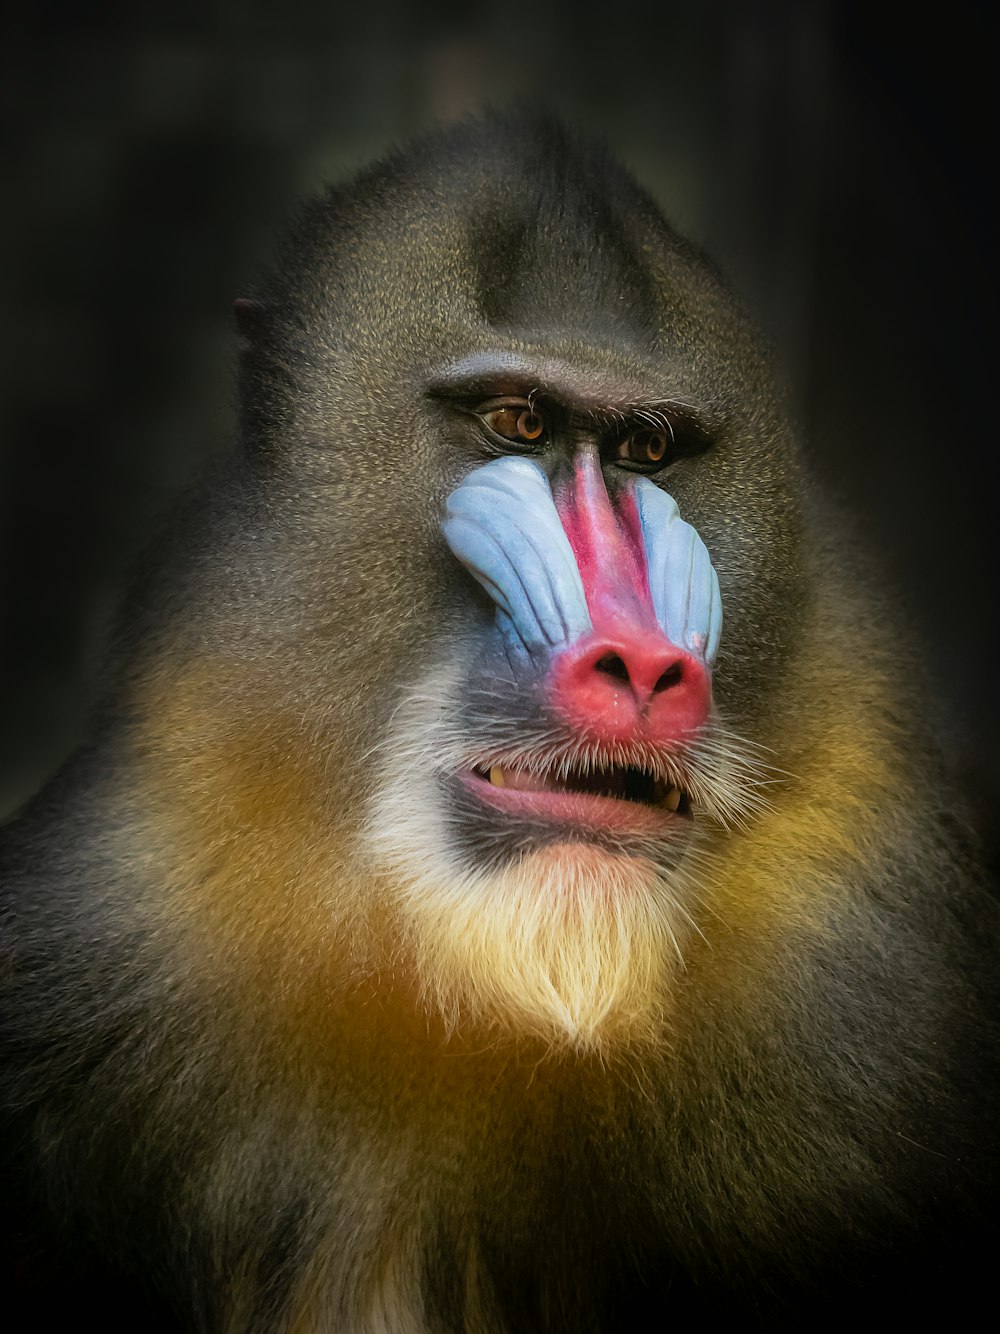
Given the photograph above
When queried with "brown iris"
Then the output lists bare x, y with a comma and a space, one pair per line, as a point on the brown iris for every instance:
518, 422
647, 447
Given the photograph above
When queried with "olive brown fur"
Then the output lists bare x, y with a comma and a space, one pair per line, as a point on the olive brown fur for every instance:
246, 1089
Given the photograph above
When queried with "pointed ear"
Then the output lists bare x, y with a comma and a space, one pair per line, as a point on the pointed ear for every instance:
249, 319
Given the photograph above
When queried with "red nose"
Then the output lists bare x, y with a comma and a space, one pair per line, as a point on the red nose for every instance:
631, 685
624, 680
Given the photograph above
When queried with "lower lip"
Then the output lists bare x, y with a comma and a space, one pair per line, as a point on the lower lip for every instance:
582, 809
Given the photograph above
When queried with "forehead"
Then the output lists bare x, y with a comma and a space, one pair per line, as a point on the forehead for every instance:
539, 234
483, 238
580, 267
560, 256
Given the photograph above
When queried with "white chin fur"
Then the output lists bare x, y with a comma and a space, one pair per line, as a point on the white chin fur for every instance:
571, 943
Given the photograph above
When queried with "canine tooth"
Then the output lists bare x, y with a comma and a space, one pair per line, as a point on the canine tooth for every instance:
496, 776
673, 799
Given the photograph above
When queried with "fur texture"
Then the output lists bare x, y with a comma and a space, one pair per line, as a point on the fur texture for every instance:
297, 1040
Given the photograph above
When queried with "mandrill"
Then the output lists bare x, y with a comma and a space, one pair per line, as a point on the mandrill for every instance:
511, 885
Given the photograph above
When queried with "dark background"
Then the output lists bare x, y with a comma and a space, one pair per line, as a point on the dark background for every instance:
836, 159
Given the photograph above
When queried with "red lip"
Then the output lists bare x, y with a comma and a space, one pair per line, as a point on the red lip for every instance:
583, 809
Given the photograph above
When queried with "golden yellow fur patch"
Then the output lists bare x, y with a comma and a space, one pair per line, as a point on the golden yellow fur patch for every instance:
571, 946
835, 766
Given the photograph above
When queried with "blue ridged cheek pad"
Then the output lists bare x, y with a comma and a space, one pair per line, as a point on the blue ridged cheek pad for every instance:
502, 524
682, 580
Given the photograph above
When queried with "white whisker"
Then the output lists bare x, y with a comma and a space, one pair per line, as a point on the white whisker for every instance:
575, 941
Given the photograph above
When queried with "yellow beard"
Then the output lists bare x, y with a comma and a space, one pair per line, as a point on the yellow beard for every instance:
571, 943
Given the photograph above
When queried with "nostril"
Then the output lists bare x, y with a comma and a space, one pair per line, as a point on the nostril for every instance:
670, 677
631, 684
612, 665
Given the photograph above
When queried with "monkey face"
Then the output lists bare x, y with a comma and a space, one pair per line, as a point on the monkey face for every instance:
557, 408
563, 775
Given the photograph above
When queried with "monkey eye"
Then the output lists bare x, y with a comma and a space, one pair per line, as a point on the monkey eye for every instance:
519, 422
646, 448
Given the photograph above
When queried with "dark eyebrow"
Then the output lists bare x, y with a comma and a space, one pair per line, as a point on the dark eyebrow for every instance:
592, 387
597, 393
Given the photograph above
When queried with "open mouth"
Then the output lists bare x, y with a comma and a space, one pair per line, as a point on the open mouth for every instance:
607, 794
